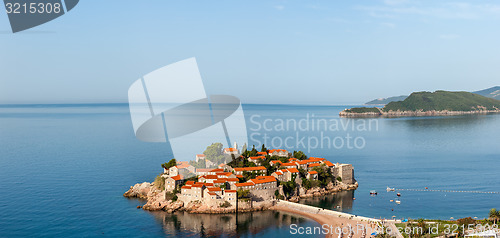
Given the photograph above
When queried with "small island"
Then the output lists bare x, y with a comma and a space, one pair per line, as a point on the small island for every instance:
249, 181
439, 103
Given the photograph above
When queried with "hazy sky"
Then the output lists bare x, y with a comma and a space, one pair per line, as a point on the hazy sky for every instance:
292, 52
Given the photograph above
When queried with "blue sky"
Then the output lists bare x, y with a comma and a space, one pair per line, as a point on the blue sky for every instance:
284, 52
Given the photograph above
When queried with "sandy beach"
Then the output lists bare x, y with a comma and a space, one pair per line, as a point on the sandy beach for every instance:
332, 221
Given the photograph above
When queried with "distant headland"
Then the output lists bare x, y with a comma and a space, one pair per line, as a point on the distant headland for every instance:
439, 103
493, 92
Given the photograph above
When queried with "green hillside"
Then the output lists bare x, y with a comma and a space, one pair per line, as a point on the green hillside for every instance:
443, 100
383, 101
493, 92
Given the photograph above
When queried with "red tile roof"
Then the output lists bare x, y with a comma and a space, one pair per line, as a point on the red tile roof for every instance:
203, 170
189, 182
182, 165
275, 162
278, 150
263, 179
312, 172
186, 187
220, 181
279, 173
243, 184
316, 159
209, 176
223, 173
198, 185
328, 163
250, 168
257, 157
313, 165
229, 191
200, 155
288, 164
301, 162
232, 180
293, 170
230, 150
214, 189
176, 178
262, 153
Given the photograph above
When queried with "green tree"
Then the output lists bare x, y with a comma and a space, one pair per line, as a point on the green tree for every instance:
214, 153
159, 182
494, 215
299, 155
263, 149
170, 163
243, 193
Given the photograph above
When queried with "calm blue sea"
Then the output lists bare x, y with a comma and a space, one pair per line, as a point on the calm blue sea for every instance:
64, 168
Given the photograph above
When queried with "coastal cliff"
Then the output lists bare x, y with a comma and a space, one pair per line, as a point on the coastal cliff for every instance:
156, 199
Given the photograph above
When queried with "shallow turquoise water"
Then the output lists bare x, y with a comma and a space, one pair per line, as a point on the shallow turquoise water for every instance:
63, 169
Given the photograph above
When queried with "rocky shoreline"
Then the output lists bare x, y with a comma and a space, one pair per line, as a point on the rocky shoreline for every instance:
156, 199
413, 113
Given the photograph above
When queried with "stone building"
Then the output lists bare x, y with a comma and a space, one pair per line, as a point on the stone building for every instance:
312, 175
173, 182
264, 188
278, 152
257, 159
346, 173
258, 169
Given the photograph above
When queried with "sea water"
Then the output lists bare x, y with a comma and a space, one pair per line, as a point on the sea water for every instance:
64, 168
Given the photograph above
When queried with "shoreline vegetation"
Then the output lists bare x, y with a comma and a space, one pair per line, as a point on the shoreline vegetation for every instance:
439, 103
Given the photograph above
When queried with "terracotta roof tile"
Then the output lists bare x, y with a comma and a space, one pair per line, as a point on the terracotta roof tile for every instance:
214, 189
263, 179
243, 184
250, 168
293, 170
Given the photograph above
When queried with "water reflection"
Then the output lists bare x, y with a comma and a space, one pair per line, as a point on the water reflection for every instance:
259, 224
341, 201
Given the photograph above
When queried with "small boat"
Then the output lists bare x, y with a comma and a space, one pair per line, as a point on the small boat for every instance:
373, 192
399, 194
426, 188
398, 202
390, 189
391, 200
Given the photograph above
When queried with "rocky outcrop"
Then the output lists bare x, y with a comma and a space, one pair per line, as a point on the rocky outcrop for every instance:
316, 192
140, 190
156, 199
